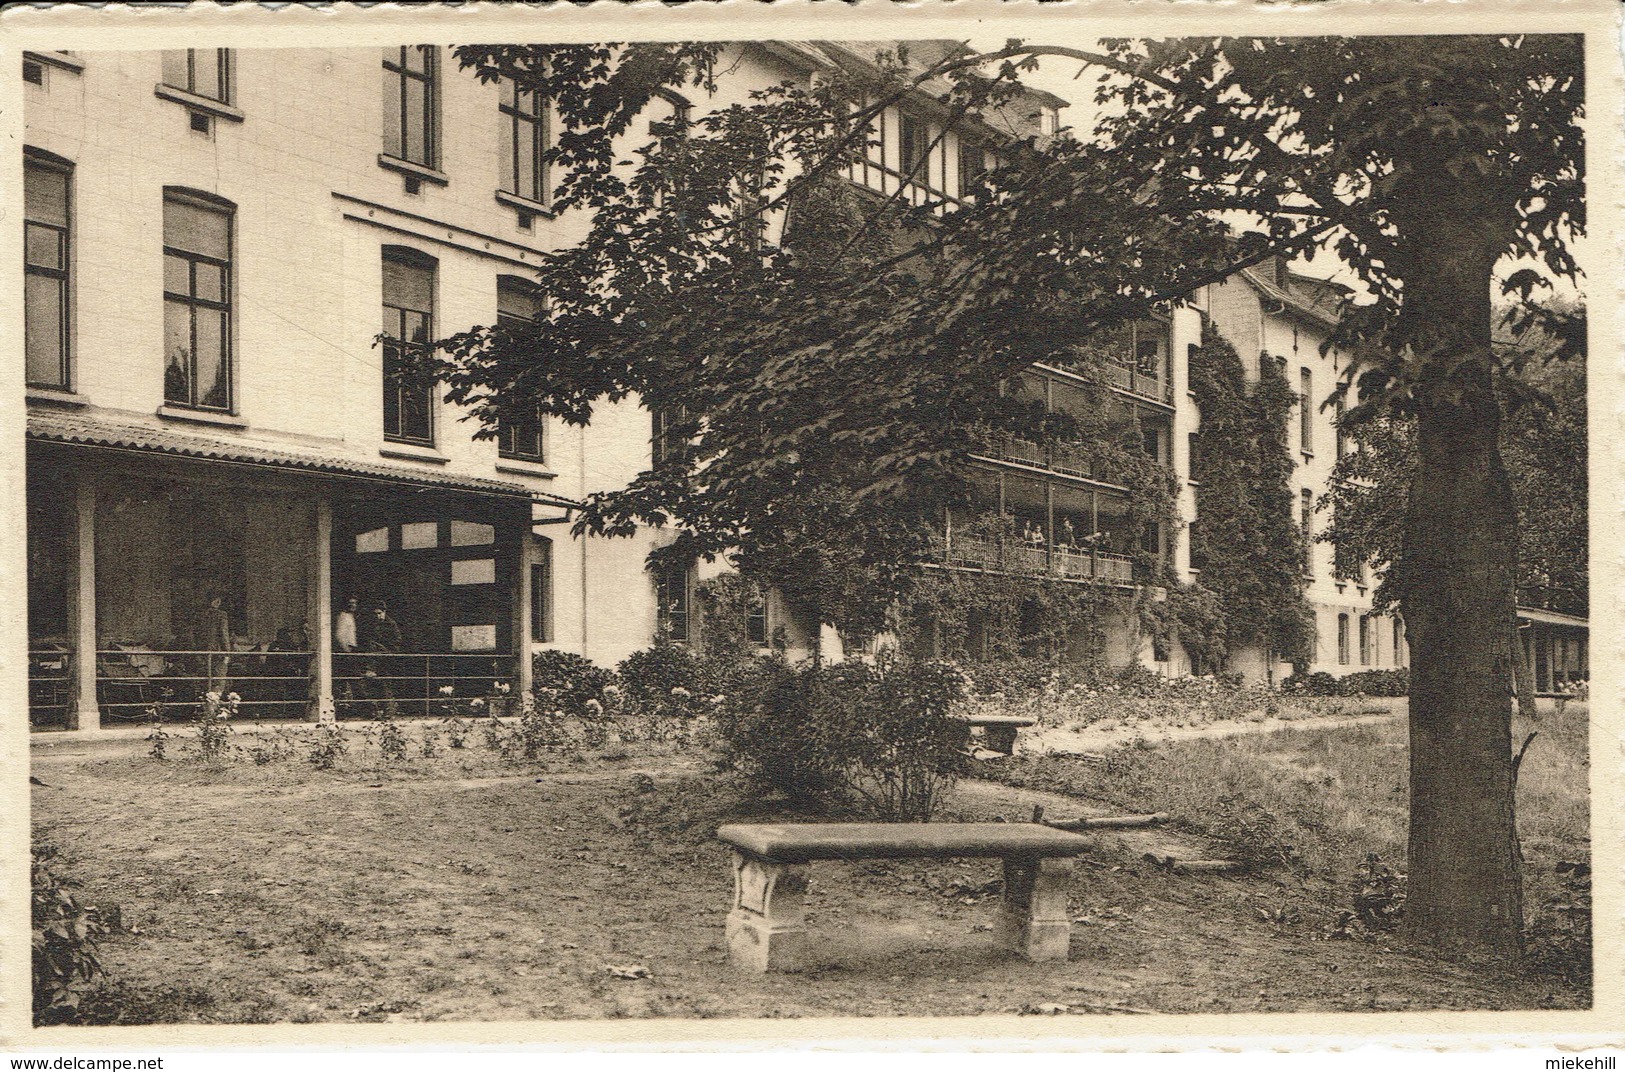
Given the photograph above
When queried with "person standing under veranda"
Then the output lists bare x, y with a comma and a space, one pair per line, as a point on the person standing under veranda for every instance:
382, 636
214, 635
346, 641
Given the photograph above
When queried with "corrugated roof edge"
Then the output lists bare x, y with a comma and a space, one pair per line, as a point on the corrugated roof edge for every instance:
76, 430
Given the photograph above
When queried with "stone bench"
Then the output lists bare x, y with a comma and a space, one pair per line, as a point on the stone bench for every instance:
998, 731
766, 929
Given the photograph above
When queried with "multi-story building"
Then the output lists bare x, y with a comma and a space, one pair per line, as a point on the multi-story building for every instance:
231, 464
1271, 313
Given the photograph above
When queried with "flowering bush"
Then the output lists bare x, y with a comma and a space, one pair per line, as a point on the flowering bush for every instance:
664, 680
562, 680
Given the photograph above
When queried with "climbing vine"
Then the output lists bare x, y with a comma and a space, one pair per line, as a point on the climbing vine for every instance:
1248, 547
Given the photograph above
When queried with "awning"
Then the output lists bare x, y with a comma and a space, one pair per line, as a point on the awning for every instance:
1552, 617
74, 429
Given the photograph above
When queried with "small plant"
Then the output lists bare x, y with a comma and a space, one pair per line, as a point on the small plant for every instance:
327, 746
562, 680
213, 725
391, 741
1379, 894
430, 747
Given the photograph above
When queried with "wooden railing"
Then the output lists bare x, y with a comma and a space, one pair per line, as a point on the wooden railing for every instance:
1023, 558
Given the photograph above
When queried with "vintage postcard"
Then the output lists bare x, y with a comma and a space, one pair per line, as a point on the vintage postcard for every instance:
1066, 525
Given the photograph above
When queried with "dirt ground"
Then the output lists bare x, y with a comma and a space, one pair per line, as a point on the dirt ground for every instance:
289, 894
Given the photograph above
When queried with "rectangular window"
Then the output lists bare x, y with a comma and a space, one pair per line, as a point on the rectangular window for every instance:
408, 328
46, 231
1306, 410
203, 72
411, 89
972, 168
756, 622
1151, 437
1342, 436
670, 434
197, 302
1365, 640
914, 139
671, 602
1306, 510
520, 439
541, 592
524, 129
1399, 643
1342, 640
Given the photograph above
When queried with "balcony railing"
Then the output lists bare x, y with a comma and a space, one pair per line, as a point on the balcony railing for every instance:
1055, 457
1134, 380
1021, 558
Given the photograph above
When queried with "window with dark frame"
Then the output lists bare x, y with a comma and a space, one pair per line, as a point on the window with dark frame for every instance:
1399, 642
671, 602
1342, 640
519, 439
197, 301
972, 168
408, 326
525, 129
756, 621
1306, 432
411, 88
47, 329
541, 592
202, 72
1306, 513
1365, 640
669, 437
914, 141
1342, 436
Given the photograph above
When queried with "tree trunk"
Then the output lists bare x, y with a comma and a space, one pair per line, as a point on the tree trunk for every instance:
1465, 888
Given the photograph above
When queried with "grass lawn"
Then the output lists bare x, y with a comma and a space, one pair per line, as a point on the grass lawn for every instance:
464, 887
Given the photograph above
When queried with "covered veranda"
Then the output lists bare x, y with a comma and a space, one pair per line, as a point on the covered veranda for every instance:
163, 567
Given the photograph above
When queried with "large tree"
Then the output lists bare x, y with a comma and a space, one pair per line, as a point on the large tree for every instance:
826, 381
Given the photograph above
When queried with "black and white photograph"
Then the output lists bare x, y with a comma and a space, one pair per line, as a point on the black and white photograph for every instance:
1010, 521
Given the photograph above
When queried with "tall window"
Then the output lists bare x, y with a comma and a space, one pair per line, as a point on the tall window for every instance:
524, 125
411, 84
972, 167
522, 438
670, 434
1306, 412
541, 592
1306, 512
1365, 640
1399, 642
1342, 436
671, 602
46, 231
408, 326
914, 142
205, 72
1342, 640
197, 301
756, 621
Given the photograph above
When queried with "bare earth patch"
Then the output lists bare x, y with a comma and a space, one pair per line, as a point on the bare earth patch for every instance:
443, 892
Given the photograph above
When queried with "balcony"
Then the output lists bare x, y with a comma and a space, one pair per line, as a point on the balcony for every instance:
1128, 378
1023, 559
1057, 457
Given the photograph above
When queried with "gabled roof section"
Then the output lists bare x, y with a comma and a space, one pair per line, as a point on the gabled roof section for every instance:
1318, 300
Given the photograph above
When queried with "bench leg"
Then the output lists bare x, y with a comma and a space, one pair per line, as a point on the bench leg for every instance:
1033, 920
1001, 739
766, 929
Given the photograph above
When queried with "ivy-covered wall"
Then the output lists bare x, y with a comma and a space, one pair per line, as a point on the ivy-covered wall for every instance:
1245, 541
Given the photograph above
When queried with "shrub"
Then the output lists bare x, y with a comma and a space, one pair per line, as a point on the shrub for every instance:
566, 681
1013, 678
665, 681
64, 938
1318, 683
875, 737
1376, 683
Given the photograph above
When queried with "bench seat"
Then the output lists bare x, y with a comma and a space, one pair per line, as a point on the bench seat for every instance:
999, 731
766, 928
803, 842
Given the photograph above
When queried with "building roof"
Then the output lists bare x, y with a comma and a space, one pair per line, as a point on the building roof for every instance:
1319, 300
1552, 617
76, 429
